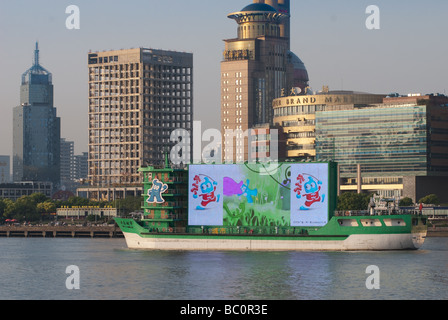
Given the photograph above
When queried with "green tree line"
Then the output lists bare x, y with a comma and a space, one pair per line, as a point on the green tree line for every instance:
32, 208
355, 201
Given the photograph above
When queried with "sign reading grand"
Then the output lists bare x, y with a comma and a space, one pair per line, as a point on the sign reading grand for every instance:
314, 99
294, 195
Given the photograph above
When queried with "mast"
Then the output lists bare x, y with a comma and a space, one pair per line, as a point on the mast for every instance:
36, 54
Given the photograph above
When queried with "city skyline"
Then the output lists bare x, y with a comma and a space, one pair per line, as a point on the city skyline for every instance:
407, 55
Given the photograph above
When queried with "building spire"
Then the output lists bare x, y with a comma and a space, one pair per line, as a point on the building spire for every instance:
36, 54
36, 69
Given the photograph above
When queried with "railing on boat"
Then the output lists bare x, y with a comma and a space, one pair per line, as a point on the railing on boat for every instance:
357, 213
268, 230
239, 231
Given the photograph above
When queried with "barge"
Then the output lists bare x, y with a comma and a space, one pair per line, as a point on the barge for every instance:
256, 207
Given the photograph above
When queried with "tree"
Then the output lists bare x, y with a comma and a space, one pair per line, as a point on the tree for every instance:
78, 202
430, 199
2, 207
353, 201
46, 207
26, 209
9, 209
406, 202
38, 198
129, 204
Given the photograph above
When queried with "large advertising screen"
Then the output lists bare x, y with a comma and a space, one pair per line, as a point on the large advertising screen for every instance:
294, 195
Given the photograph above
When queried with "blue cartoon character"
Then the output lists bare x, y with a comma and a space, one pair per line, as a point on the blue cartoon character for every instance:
231, 188
311, 191
155, 193
205, 188
249, 193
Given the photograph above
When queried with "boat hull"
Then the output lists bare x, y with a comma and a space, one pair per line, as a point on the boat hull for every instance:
212, 243
341, 234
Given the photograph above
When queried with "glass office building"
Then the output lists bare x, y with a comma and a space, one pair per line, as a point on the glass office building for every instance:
36, 128
384, 140
397, 148
297, 116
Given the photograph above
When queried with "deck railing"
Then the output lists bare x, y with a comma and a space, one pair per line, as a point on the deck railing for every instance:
356, 213
238, 231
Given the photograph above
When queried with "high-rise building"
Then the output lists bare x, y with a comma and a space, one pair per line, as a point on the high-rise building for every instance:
5, 175
81, 166
137, 98
296, 114
74, 168
37, 129
67, 162
397, 148
258, 67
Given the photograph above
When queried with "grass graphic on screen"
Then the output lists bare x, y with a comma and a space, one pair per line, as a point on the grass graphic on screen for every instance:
270, 207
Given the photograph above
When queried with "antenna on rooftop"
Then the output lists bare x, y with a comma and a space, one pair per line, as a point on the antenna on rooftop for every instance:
36, 54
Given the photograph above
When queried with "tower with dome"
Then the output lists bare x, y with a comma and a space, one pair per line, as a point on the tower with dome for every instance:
258, 67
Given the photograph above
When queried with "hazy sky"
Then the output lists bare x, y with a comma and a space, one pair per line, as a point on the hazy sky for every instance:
407, 55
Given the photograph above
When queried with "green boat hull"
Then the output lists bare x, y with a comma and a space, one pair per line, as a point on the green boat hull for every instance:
343, 233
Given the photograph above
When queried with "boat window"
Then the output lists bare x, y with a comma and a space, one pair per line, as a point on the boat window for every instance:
395, 222
348, 222
371, 222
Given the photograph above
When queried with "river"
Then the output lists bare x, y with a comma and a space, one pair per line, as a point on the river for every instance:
36, 269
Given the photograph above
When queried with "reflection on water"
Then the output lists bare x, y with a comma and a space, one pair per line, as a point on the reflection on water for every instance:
35, 269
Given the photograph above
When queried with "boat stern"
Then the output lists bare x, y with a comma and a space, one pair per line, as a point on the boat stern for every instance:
419, 230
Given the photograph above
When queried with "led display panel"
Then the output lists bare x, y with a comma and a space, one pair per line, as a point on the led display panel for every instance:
288, 195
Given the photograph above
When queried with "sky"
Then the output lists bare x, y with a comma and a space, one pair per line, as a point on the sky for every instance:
408, 54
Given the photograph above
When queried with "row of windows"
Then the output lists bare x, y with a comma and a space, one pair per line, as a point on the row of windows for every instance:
297, 110
298, 123
300, 147
237, 75
180, 70
372, 180
297, 135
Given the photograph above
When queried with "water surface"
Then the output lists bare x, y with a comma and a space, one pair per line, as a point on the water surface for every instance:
35, 269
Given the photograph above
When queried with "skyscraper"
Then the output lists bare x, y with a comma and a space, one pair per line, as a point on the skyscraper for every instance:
37, 129
67, 163
137, 98
258, 67
74, 169
5, 175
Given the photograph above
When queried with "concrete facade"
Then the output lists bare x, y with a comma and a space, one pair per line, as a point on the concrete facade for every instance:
137, 98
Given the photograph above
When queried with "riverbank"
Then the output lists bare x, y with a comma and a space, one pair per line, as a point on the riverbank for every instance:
437, 232
110, 231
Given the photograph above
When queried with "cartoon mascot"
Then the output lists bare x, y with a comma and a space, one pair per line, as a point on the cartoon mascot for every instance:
205, 188
155, 193
311, 192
